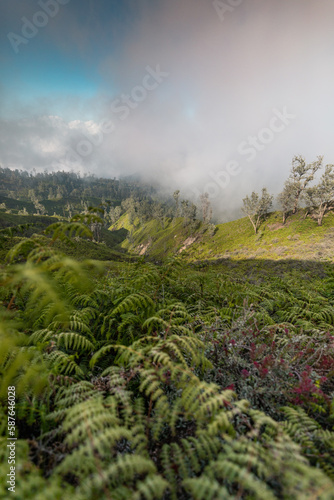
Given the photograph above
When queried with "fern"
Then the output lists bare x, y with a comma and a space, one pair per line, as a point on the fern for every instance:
125, 379
317, 444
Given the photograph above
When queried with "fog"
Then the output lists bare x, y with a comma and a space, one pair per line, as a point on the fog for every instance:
192, 94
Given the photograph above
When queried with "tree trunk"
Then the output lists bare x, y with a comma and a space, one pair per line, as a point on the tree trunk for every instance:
296, 201
321, 213
253, 224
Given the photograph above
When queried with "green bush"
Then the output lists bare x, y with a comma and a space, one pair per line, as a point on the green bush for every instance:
169, 381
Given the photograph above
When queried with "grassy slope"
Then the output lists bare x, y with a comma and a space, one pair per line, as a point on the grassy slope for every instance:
159, 242
297, 239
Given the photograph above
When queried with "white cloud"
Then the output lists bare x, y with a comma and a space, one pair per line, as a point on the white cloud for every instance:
224, 80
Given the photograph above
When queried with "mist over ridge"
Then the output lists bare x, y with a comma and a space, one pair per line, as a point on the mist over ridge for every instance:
182, 93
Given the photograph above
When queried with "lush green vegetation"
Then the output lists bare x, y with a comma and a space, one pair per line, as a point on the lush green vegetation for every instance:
171, 381
58, 191
155, 355
298, 238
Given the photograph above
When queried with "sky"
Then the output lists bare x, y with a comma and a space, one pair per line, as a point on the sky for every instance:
209, 96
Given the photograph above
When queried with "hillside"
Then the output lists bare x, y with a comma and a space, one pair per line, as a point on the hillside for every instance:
187, 380
299, 238
13, 228
166, 369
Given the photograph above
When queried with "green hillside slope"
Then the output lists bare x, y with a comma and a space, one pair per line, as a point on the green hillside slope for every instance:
299, 238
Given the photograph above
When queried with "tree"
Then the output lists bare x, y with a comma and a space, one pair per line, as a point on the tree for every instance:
320, 198
176, 196
22, 212
69, 209
129, 206
59, 193
114, 214
143, 210
51, 195
159, 214
286, 199
40, 209
301, 175
32, 195
85, 210
206, 208
256, 208
96, 229
189, 211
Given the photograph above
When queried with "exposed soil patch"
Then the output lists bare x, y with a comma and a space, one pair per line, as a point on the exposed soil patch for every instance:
143, 248
189, 241
278, 225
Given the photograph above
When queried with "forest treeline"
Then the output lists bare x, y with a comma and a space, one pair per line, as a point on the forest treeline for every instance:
62, 194
160, 380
